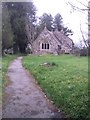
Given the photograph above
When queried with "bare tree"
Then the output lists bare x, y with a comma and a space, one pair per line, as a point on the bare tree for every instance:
85, 41
84, 8
74, 6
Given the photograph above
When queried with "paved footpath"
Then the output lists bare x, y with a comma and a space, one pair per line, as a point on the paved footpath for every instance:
25, 98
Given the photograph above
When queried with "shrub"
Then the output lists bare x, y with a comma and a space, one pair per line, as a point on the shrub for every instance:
52, 64
84, 52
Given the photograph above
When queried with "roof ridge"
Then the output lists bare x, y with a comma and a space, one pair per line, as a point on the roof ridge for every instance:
52, 35
57, 37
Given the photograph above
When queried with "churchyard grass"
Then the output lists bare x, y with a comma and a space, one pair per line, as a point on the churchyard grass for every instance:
64, 79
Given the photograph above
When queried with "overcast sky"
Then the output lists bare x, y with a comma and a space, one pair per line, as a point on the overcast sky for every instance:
71, 18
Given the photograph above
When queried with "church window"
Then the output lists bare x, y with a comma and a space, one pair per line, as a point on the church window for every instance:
45, 46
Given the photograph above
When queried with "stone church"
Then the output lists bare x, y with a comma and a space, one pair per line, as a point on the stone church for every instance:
52, 42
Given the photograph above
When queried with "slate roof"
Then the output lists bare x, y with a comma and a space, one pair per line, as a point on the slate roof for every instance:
47, 34
62, 38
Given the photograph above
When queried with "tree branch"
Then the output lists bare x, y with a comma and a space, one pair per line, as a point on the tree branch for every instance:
84, 40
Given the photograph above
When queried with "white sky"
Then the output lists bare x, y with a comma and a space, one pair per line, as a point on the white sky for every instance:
70, 18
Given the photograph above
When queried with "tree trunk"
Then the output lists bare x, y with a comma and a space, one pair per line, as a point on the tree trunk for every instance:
22, 48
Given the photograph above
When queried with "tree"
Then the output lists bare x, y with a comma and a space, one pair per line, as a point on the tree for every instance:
83, 7
84, 39
31, 22
51, 24
7, 35
67, 31
46, 20
58, 23
20, 13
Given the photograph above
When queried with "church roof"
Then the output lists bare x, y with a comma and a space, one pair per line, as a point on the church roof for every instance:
47, 34
57, 36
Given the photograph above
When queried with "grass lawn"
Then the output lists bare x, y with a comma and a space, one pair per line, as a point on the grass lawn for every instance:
64, 80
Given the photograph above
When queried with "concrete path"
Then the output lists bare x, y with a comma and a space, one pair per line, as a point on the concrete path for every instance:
25, 98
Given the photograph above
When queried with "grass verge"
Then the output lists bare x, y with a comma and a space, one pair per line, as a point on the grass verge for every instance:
5, 81
0, 85
64, 79
5, 63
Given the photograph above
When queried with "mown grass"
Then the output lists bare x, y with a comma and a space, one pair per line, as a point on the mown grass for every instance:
64, 80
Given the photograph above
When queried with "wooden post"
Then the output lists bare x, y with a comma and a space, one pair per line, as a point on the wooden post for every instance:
89, 28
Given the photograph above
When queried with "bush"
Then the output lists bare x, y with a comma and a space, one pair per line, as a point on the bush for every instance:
52, 64
49, 64
84, 52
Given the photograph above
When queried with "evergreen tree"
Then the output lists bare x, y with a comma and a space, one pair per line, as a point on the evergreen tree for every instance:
58, 23
46, 20
7, 35
67, 31
19, 13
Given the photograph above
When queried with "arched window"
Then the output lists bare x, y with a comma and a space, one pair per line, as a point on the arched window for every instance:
45, 46
42, 46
